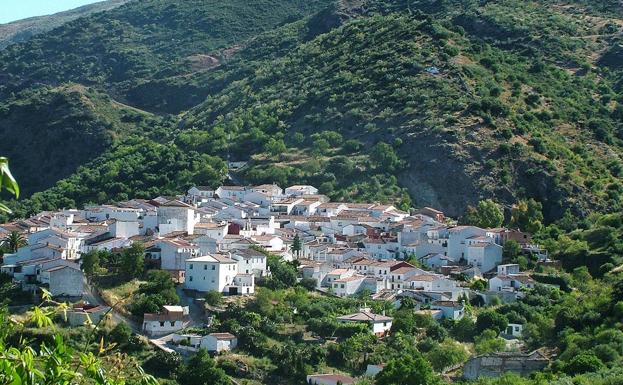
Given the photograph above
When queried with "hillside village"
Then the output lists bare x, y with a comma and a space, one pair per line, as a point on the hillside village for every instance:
218, 241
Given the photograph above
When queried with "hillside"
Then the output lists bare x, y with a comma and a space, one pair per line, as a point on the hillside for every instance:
439, 103
23, 30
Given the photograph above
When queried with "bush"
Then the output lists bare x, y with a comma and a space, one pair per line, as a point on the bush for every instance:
583, 363
309, 283
121, 333
163, 364
491, 320
214, 298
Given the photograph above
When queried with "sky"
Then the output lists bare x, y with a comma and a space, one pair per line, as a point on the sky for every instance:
11, 10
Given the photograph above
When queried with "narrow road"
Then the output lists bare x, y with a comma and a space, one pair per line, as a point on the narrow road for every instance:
195, 310
91, 296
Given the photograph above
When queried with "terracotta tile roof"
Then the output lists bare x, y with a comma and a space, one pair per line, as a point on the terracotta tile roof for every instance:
365, 316
222, 336
336, 378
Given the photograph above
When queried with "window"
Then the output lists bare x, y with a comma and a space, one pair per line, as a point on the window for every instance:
161, 324
190, 278
213, 267
342, 286
205, 267
191, 266
172, 323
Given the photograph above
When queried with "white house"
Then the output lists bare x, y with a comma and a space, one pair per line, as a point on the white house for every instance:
306, 207
272, 190
210, 272
457, 237
211, 229
106, 244
207, 245
453, 310
218, 342
250, 261
514, 330
235, 193
64, 281
176, 216
106, 212
259, 198
513, 282
329, 379
336, 274
399, 278
435, 260
201, 192
314, 270
298, 190
331, 209
258, 225
284, 206
82, 314
69, 241
430, 282
347, 286
175, 252
508, 269
484, 255
217, 273
380, 325
242, 284
170, 320
269, 242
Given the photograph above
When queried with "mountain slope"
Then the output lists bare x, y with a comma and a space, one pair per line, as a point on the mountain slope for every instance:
51, 132
490, 121
23, 30
106, 52
441, 103
142, 39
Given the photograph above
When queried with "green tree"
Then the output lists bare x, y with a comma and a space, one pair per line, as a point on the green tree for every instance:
297, 244
90, 262
478, 285
133, 260
283, 274
464, 329
488, 341
487, 214
583, 363
214, 298
355, 349
13, 241
384, 157
121, 333
527, 215
202, 370
407, 370
490, 319
447, 354
275, 147
511, 250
